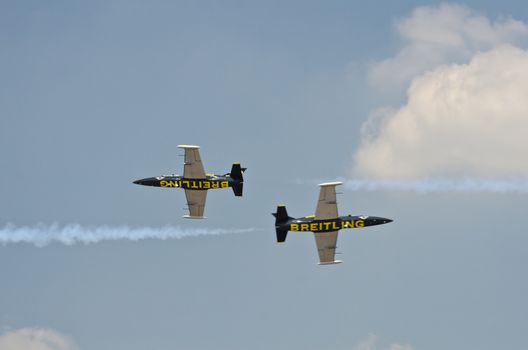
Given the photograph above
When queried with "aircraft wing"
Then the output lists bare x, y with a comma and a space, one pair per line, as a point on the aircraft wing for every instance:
326, 246
193, 168
196, 203
327, 204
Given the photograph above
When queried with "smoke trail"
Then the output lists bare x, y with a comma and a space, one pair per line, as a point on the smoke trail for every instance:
41, 235
428, 185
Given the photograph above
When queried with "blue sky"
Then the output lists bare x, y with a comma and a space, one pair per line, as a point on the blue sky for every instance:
94, 96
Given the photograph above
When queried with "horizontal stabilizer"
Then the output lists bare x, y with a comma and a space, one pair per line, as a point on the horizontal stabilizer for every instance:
238, 188
281, 235
236, 172
281, 215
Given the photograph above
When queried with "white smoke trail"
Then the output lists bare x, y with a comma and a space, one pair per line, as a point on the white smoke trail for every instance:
428, 185
41, 235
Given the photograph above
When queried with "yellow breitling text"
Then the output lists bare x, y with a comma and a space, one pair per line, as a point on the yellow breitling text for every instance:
327, 225
194, 184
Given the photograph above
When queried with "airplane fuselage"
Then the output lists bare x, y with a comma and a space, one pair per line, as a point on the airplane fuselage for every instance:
176, 181
310, 224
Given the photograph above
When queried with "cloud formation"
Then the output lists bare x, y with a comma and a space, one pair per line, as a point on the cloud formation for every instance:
372, 343
466, 120
448, 33
35, 339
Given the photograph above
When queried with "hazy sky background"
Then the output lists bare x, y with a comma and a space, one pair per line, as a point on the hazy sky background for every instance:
95, 95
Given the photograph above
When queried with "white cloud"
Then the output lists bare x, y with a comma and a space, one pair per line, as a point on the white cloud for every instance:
448, 33
460, 120
372, 343
35, 339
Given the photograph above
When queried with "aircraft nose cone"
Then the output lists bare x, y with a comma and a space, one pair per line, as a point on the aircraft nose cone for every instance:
146, 182
376, 220
149, 181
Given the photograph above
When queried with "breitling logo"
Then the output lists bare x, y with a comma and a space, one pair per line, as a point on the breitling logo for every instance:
327, 225
194, 184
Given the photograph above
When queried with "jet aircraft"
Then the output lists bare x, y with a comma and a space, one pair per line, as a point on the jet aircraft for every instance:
196, 182
325, 224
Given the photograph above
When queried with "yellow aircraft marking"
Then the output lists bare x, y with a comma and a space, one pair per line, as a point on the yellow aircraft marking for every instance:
327, 225
194, 184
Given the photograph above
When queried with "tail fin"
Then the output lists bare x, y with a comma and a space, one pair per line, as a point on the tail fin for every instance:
236, 174
281, 216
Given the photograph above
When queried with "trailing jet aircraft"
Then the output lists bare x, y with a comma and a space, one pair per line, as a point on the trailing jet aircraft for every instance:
196, 182
325, 224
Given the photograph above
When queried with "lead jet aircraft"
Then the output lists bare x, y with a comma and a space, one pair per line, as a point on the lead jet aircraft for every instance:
325, 224
196, 182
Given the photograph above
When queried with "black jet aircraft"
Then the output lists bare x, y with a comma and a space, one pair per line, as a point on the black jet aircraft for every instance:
325, 224
196, 182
